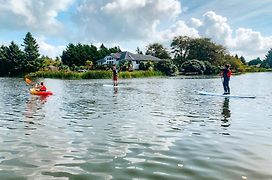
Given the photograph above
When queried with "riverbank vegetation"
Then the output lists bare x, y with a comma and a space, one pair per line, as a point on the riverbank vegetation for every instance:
79, 61
95, 74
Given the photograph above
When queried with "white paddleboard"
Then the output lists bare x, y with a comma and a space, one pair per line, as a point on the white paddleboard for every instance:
224, 95
109, 85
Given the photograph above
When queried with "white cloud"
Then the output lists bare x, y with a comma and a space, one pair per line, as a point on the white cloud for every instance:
216, 27
32, 15
244, 42
195, 23
124, 19
49, 49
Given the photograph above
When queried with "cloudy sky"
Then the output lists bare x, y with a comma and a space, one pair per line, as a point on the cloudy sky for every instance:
243, 26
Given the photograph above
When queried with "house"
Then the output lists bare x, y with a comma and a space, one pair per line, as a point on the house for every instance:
135, 59
107, 60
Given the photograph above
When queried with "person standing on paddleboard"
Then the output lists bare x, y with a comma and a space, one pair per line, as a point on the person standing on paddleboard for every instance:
115, 75
226, 73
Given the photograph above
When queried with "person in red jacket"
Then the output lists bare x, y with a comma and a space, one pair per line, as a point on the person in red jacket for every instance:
226, 73
42, 87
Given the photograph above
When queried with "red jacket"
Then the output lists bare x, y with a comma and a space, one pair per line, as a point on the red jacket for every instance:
43, 88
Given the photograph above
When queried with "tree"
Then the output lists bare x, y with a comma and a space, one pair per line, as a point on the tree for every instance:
3, 60
15, 59
77, 55
268, 59
103, 51
255, 62
158, 51
180, 48
243, 60
204, 49
31, 53
115, 49
138, 51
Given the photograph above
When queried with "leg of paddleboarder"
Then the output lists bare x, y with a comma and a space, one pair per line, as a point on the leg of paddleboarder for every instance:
226, 73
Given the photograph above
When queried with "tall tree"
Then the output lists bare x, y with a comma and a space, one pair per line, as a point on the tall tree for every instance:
115, 49
180, 48
103, 51
32, 55
3, 60
243, 60
138, 51
255, 62
158, 51
268, 58
15, 59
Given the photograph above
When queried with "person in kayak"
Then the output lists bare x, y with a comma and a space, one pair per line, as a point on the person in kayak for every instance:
115, 75
226, 73
42, 87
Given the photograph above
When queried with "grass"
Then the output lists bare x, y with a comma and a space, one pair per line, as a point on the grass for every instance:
93, 74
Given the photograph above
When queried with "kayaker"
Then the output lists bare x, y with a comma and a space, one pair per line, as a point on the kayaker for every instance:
42, 87
226, 73
115, 75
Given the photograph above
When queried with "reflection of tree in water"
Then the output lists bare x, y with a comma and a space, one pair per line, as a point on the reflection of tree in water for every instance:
226, 113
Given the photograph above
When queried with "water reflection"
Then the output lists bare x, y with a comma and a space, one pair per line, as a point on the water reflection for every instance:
226, 113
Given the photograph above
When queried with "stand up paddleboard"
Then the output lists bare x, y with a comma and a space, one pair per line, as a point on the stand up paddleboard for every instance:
109, 85
224, 95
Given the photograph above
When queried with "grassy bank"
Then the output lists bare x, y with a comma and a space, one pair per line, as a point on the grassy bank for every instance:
256, 69
93, 74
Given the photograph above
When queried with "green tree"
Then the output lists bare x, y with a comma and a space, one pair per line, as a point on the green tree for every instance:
31, 53
3, 61
180, 48
77, 55
138, 51
15, 59
115, 49
268, 59
204, 49
255, 62
243, 60
103, 51
158, 51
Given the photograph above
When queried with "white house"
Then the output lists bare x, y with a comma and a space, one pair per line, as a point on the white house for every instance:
135, 59
107, 60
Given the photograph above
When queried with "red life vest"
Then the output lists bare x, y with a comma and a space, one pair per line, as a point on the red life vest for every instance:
229, 73
43, 88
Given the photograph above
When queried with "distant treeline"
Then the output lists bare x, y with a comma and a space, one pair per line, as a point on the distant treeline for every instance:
187, 55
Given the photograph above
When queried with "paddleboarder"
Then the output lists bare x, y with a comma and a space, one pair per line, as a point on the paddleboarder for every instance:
226, 73
115, 75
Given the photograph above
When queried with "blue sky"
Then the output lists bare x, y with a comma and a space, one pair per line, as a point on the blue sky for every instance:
243, 26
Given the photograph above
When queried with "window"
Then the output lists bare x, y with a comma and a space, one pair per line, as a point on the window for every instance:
137, 62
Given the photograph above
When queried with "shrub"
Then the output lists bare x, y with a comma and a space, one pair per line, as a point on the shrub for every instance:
194, 66
167, 67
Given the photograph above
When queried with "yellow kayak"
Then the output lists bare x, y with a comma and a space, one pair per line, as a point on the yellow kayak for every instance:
34, 91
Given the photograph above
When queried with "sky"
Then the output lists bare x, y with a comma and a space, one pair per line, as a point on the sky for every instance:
244, 27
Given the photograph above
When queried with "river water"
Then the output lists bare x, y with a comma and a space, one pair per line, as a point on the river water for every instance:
155, 128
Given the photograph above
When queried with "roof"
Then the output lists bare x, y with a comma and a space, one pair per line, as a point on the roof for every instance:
131, 57
134, 57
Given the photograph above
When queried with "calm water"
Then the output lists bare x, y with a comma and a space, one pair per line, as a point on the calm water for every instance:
157, 128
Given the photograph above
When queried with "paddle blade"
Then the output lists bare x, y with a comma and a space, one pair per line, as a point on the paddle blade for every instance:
28, 81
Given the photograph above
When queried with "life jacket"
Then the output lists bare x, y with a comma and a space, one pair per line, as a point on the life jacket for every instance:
229, 73
226, 73
43, 88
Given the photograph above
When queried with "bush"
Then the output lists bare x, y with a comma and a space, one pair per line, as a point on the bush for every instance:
194, 66
167, 67
210, 69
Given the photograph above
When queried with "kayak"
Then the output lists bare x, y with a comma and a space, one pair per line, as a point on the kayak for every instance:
41, 93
